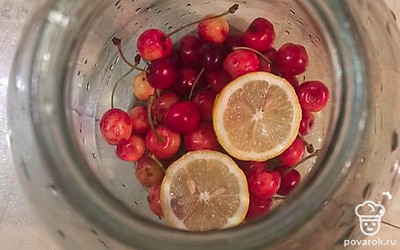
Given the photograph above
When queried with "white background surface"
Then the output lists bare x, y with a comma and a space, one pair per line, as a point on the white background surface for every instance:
19, 229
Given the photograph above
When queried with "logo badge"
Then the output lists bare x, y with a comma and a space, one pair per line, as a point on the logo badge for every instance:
370, 214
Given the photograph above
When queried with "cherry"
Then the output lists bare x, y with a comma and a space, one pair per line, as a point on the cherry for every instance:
183, 117
164, 143
217, 79
260, 35
233, 41
115, 126
292, 59
132, 149
307, 123
154, 200
189, 48
205, 101
264, 184
163, 73
289, 182
148, 172
142, 88
188, 77
293, 154
214, 30
202, 139
241, 62
271, 54
212, 55
162, 104
140, 121
154, 44
258, 207
313, 96
264, 65
292, 80
252, 167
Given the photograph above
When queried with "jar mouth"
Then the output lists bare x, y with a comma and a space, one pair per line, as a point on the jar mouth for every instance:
54, 130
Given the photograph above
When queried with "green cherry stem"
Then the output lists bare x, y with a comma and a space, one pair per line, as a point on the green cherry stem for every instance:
231, 10
151, 121
309, 146
117, 44
160, 165
116, 85
255, 51
195, 83
310, 156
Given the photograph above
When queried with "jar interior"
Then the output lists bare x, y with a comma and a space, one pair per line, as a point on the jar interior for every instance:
98, 67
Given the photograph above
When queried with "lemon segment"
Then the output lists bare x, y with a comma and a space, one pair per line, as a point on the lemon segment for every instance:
257, 116
204, 190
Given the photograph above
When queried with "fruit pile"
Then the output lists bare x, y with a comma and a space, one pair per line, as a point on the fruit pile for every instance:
221, 134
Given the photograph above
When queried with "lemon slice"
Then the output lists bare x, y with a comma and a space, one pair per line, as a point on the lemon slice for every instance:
257, 116
204, 190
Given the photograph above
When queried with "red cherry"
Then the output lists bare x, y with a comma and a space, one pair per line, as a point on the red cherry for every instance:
183, 117
307, 123
162, 104
260, 35
205, 101
163, 73
217, 79
140, 121
154, 200
164, 147
214, 30
115, 126
289, 182
292, 80
148, 172
202, 139
264, 184
293, 154
271, 55
189, 50
185, 83
154, 44
252, 167
264, 65
258, 207
212, 55
313, 96
292, 59
241, 62
132, 149
233, 41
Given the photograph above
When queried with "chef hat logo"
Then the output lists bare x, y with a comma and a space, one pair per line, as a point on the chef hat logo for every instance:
370, 215
370, 210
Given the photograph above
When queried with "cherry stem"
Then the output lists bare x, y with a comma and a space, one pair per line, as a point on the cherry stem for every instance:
116, 85
278, 197
157, 161
255, 51
195, 83
150, 118
302, 161
309, 146
158, 93
231, 10
117, 44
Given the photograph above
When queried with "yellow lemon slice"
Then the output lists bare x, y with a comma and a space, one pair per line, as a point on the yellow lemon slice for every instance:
257, 116
204, 190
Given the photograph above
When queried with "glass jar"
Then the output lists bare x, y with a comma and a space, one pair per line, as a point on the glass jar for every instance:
61, 84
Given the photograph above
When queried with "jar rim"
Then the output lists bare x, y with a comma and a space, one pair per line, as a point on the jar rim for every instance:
99, 208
